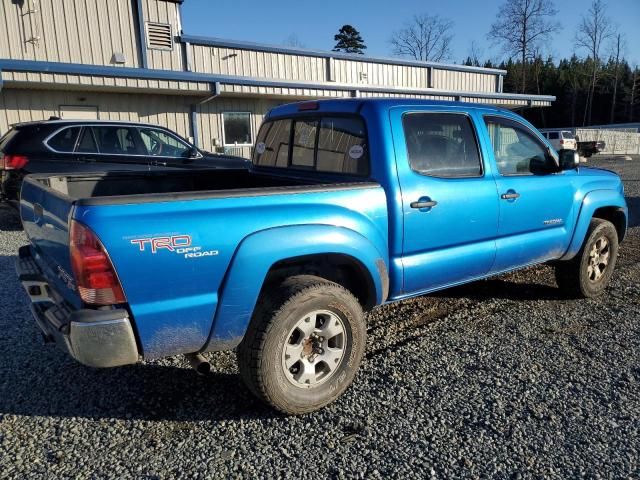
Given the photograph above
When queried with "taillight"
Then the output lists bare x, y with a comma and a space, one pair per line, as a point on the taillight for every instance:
561, 142
14, 162
96, 278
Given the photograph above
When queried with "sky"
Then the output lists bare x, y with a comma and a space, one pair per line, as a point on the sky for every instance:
314, 23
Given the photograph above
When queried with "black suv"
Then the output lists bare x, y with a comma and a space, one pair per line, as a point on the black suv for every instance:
67, 146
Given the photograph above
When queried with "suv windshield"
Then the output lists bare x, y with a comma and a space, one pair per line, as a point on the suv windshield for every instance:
568, 136
318, 143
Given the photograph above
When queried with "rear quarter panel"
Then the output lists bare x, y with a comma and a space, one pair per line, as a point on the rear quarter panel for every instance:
173, 299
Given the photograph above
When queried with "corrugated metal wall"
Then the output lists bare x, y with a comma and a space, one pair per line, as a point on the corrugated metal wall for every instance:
75, 31
161, 11
21, 105
252, 63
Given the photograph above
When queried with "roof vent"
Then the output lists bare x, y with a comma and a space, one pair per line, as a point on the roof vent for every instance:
159, 36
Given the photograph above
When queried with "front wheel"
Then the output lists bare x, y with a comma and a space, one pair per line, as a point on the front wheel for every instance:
304, 344
589, 272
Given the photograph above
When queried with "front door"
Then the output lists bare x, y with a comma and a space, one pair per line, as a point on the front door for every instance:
536, 207
449, 199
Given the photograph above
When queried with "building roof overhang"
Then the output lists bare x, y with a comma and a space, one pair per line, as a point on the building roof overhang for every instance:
216, 80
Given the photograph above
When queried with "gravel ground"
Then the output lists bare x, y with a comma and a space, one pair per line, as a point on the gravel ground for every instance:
500, 378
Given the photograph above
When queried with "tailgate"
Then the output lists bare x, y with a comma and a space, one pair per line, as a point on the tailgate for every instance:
45, 218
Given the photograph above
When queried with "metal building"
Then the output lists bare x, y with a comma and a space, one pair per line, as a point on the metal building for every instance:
131, 60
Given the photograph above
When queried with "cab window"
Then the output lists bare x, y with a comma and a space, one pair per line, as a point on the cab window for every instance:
321, 143
516, 149
441, 145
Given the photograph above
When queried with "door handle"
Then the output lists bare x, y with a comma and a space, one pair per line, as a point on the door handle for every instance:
423, 204
510, 196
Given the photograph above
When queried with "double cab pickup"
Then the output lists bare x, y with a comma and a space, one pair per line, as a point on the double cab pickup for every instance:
348, 204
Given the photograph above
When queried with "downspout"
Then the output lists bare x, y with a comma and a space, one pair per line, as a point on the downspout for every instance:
141, 35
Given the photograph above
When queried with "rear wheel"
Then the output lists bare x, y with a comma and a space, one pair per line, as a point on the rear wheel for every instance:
304, 344
589, 272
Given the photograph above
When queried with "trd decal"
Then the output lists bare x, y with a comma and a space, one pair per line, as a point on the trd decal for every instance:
179, 244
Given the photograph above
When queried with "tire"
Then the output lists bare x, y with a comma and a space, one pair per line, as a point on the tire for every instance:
577, 277
276, 334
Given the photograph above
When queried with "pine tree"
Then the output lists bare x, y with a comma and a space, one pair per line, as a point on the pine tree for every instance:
349, 40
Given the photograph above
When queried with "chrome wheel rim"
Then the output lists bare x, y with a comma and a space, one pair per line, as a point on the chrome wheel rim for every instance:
599, 257
314, 349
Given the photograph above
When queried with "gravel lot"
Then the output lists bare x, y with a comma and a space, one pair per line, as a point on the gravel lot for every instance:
500, 378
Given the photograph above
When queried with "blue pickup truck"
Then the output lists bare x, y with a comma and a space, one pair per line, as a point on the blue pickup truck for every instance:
348, 204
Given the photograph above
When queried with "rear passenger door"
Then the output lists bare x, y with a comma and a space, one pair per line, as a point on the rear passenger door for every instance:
117, 144
449, 201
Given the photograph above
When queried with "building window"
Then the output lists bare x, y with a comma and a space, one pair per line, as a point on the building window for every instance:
237, 128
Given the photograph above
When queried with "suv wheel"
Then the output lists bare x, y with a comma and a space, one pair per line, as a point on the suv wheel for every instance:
589, 272
304, 344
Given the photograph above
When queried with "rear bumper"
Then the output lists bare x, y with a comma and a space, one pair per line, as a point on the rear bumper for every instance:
97, 338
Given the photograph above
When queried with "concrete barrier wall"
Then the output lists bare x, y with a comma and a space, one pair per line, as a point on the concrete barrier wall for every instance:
617, 142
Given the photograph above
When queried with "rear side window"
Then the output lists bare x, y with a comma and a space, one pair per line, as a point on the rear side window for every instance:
64, 140
442, 145
553, 135
6, 138
323, 144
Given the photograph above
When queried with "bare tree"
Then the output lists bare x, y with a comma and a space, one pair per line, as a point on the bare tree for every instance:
619, 45
426, 37
521, 27
634, 86
293, 41
594, 30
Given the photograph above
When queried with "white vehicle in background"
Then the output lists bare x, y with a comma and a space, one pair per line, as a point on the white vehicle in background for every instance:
560, 139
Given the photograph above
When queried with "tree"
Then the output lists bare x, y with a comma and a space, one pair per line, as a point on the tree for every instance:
349, 40
293, 41
594, 29
619, 46
521, 27
426, 37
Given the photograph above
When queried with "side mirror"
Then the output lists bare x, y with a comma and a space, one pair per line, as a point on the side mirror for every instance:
568, 159
194, 153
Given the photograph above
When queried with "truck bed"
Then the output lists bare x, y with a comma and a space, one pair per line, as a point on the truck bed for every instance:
142, 187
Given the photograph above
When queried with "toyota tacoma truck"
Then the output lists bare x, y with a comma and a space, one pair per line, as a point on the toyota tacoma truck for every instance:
348, 204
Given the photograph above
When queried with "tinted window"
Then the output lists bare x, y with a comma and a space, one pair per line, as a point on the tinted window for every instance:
159, 143
517, 150
6, 138
568, 136
87, 143
341, 146
553, 136
117, 140
304, 143
237, 128
324, 144
441, 145
65, 140
272, 145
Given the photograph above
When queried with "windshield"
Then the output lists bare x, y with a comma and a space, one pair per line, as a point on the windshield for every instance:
568, 135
